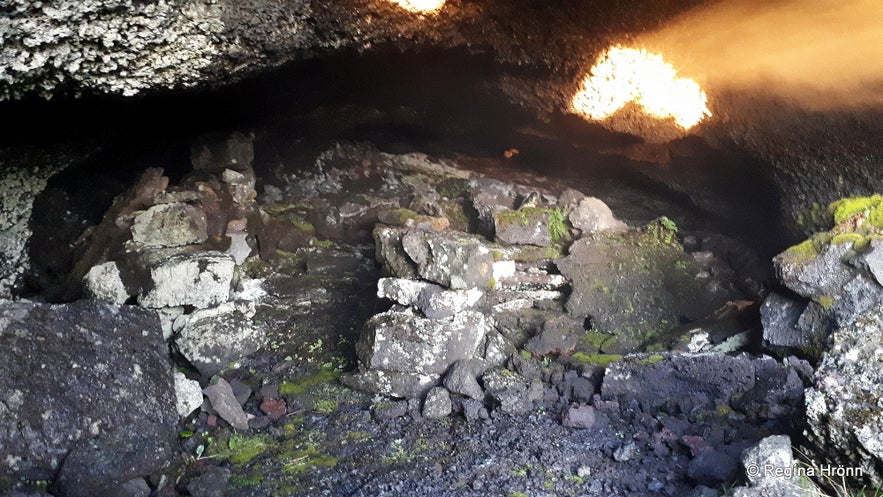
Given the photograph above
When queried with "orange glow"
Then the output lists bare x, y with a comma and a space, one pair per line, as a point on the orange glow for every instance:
622, 75
420, 6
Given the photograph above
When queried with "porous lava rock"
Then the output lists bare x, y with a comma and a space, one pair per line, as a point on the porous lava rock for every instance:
86, 376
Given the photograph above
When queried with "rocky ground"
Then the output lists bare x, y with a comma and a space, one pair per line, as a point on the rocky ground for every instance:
356, 322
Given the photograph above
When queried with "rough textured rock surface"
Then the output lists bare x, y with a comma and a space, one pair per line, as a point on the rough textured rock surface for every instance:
592, 215
201, 280
842, 409
126, 47
760, 387
104, 282
114, 463
19, 184
454, 260
212, 338
638, 284
169, 225
681, 383
188, 395
82, 375
766, 465
404, 342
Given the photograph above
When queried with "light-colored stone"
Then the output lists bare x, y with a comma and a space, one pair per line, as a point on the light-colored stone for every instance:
19, 187
103, 282
843, 411
199, 280
437, 303
239, 248
167, 318
454, 260
188, 395
437, 404
169, 225
212, 338
220, 394
401, 290
592, 215
391, 383
770, 468
402, 341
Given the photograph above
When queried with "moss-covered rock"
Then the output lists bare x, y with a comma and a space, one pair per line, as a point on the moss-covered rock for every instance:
639, 284
540, 226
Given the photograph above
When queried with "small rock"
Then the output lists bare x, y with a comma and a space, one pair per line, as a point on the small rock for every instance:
462, 378
437, 404
211, 483
713, 468
474, 410
453, 260
513, 393
779, 316
559, 336
241, 391
383, 411
579, 416
410, 219
526, 226
822, 274
592, 215
391, 383
404, 342
259, 422
625, 452
774, 451
220, 394
188, 395
390, 252
274, 408
401, 290
136, 487
570, 197
103, 282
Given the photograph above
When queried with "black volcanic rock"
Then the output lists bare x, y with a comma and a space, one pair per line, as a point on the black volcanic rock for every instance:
88, 378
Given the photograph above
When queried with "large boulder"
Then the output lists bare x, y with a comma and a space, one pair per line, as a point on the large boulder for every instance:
843, 410
402, 341
678, 383
200, 280
639, 284
85, 376
761, 388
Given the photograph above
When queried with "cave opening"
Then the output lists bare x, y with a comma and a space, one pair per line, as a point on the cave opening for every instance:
446, 103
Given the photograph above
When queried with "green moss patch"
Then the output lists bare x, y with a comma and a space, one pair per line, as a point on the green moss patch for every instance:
305, 459
602, 360
846, 208
307, 383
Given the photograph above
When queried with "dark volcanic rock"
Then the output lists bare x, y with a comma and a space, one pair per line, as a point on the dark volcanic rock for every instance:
843, 409
89, 377
111, 463
638, 284
684, 383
